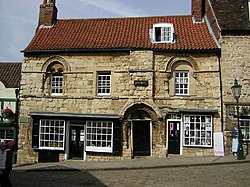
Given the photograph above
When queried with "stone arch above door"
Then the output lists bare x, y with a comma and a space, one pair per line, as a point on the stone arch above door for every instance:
140, 111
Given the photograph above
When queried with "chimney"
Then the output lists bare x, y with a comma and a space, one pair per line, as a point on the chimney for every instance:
48, 13
198, 10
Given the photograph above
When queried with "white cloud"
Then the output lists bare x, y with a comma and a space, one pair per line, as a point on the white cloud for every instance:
114, 7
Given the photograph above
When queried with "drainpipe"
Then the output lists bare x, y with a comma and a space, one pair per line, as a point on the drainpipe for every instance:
221, 93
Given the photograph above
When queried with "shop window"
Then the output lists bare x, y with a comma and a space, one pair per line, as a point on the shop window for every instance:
6, 134
51, 134
245, 129
103, 83
99, 136
198, 130
181, 82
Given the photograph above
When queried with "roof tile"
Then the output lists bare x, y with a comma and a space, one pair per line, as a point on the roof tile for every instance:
10, 74
120, 33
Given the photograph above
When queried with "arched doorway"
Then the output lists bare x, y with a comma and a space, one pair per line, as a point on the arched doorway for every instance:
141, 118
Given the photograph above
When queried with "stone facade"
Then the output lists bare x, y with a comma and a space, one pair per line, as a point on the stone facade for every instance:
235, 64
79, 94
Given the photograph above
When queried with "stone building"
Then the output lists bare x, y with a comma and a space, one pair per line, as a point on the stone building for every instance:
231, 25
119, 88
10, 77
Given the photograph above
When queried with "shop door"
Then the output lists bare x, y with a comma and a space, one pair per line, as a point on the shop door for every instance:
76, 144
141, 138
173, 137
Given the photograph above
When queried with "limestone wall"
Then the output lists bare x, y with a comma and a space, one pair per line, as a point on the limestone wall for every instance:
235, 64
79, 93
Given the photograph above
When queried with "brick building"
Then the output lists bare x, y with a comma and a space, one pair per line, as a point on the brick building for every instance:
118, 88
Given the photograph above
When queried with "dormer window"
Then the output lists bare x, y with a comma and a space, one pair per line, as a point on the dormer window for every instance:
162, 33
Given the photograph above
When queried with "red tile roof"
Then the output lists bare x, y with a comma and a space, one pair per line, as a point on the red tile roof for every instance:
120, 33
10, 74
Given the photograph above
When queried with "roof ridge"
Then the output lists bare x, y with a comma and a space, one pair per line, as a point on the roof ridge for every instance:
117, 18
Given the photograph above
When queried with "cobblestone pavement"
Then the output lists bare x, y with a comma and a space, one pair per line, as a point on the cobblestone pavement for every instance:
215, 175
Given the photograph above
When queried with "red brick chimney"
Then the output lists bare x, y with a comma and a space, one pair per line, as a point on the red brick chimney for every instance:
48, 13
198, 9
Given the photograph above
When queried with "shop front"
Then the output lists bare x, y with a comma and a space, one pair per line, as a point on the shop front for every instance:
63, 136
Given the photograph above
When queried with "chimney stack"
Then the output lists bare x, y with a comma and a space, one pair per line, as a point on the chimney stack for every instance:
48, 13
198, 9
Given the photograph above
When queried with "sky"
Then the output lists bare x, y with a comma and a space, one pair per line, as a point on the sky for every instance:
19, 18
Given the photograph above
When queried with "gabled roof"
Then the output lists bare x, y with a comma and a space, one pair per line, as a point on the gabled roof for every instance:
120, 34
232, 14
10, 74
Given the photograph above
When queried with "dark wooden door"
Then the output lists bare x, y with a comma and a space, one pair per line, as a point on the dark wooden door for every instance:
141, 138
174, 137
76, 144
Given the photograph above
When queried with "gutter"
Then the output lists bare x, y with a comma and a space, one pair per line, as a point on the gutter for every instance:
74, 115
216, 50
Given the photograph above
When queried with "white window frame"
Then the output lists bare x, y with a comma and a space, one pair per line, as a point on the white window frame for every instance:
166, 33
7, 134
99, 136
245, 129
181, 83
198, 130
103, 86
49, 135
56, 85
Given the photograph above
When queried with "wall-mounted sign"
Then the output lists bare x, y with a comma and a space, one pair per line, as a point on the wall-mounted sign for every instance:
141, 83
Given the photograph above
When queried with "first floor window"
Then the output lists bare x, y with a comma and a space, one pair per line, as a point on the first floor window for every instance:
99, 136
103, 83
56, 84
52, 133
181, 82
245, 128
198, 130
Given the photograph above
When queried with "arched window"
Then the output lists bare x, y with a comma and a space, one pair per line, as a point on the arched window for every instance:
181, 73
55, 70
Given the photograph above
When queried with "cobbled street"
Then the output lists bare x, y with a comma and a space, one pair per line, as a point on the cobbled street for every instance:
216, 175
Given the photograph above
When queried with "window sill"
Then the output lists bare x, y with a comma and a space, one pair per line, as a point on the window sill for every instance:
99, 149
198, 146
163, 42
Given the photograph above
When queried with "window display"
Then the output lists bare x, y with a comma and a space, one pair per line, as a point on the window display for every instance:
198, 130
99, 136
52, 134
245, 128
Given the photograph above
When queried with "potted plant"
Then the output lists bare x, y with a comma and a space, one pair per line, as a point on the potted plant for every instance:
8, 114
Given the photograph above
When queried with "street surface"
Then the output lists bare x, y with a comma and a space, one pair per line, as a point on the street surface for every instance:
235, 175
